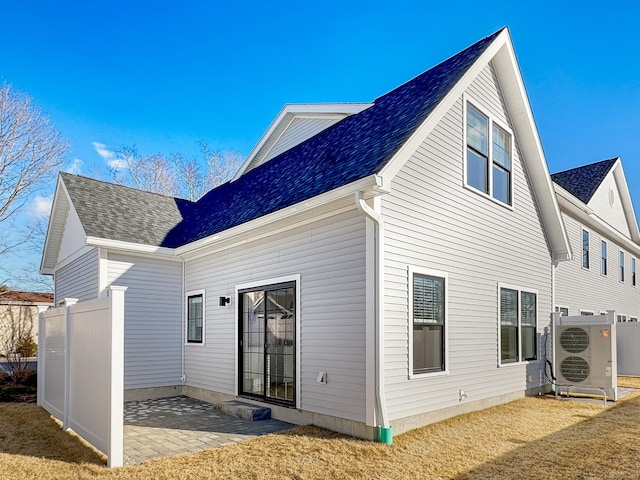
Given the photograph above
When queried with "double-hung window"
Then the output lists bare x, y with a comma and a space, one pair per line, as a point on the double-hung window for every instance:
195, 317
603, 262
621, 267
518, 325
428, 314
489, 156
585, 249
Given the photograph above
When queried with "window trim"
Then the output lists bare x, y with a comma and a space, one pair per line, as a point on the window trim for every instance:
633, 319
586, 311
621, 318
621, 265
604, 258
411, 271
490, 162
187, 295
633, 271
558, 307
588, 249
520, 361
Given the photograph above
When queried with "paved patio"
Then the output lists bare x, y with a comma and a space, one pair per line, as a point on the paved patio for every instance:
180, 425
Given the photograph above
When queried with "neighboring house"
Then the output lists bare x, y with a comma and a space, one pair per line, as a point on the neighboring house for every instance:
603, 231
370, 264
19, 314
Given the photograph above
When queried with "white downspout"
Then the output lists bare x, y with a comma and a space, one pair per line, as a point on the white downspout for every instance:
183, 377
381, 416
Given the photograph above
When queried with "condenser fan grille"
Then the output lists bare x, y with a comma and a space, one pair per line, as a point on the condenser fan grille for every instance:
574, 340
575, 369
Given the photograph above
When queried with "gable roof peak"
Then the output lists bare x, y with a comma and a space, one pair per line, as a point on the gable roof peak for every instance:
583, 181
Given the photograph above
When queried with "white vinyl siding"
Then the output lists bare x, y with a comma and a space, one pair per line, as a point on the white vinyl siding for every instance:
433, 222
578, 288
329, 256
153, 319
298, 131
79, 279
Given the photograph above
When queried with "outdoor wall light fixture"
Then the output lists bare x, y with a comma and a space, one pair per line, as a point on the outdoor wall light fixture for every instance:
224, 301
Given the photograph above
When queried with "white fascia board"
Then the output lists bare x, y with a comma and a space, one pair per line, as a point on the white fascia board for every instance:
573, 207
370, 183
168, 253
292, 111
61, 201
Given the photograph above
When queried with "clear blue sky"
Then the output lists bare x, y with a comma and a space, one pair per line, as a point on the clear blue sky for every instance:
164, 75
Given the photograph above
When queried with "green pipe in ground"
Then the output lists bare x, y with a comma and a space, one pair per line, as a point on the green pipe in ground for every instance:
385, 435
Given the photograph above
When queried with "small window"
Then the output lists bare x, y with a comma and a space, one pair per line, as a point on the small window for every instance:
633, 271
489, 156
195, 316
603, 262
622, 318
585, 249
564, 311
428, 319
633, 319
586, 312
518, 325
621, 274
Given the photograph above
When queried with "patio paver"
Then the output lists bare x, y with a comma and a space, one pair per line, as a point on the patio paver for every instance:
179, 425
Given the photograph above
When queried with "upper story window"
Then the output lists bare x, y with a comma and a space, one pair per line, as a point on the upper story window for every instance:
621, 271
585, 249
489, 156
633, 271
603, 262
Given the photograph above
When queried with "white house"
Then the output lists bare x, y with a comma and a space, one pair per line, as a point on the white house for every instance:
602, 227
370, 265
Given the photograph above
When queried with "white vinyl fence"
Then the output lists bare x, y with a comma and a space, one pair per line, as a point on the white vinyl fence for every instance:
81, 369
629, 348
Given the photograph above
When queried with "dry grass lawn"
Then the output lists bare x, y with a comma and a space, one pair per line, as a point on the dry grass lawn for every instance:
532, 438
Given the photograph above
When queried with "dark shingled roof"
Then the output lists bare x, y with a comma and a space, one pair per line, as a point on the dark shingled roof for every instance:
122, 213
352, 149
582, 182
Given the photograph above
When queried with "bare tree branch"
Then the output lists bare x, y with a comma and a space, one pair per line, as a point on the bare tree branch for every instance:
31, 151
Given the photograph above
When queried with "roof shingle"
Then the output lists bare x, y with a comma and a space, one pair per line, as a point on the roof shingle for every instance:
354, 148
582, 182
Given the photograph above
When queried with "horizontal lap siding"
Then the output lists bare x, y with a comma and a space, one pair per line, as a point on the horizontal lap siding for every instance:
330, 257
581, 289
153, 319
433, 222
79, 279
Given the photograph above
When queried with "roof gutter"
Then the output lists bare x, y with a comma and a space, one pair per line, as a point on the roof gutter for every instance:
381, 415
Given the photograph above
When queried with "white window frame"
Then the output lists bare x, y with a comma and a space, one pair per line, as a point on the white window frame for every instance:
582, 232
621, 265
194, 293
621, 317
519, 290
604, 261
466, 100
603, 313
633, 319
634, 271
432, 273
558, 307
585, 311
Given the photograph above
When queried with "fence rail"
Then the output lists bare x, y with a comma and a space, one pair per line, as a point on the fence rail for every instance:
81, 369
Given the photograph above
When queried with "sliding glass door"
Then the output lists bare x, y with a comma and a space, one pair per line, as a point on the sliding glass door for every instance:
267, 343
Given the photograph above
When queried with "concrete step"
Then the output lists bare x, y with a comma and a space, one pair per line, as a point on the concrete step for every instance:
244, 410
